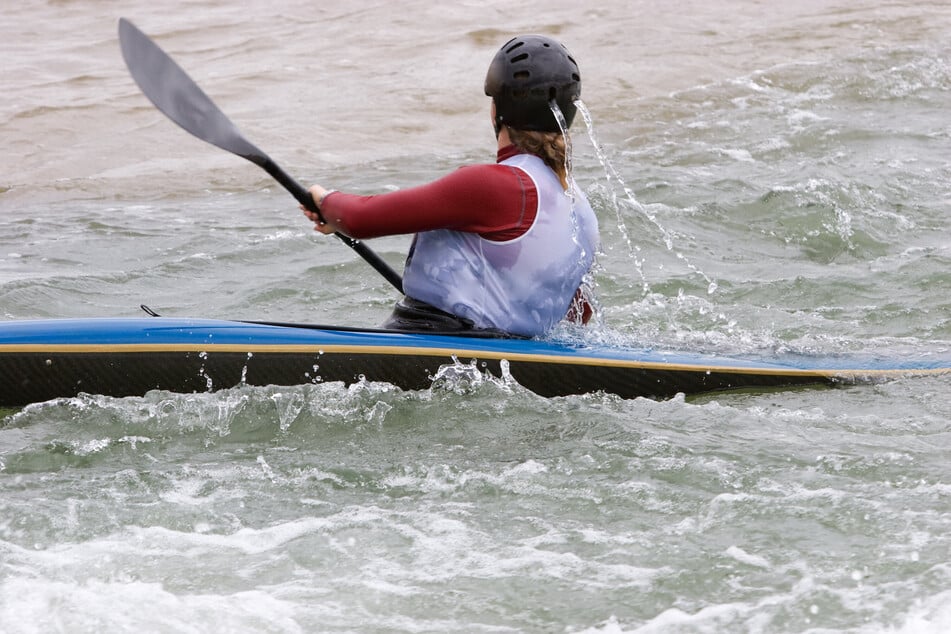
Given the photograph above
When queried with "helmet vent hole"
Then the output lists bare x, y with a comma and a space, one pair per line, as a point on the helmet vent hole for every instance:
517, 45
520, 58
522, 74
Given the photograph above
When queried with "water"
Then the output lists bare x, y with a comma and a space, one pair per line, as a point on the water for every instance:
768, 177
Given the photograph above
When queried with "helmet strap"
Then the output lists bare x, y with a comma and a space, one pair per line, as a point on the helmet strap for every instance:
496, 120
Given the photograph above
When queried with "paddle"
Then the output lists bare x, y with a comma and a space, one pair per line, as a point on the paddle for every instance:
173, 92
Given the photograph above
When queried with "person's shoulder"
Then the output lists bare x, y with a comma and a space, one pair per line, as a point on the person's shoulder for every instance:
483, 171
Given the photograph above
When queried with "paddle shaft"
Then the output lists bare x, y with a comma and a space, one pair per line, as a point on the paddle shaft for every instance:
179, 98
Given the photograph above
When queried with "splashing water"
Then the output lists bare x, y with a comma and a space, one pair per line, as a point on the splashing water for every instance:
611, 173
563, 128
588, 282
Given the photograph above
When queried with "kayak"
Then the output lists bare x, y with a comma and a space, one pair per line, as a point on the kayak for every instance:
42, 360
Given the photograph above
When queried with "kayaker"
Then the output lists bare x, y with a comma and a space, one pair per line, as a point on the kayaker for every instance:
498, 247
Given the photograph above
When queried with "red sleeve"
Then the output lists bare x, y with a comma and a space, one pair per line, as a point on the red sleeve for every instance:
498, 202
580, 311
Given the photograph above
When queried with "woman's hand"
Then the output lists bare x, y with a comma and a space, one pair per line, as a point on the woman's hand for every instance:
317, 193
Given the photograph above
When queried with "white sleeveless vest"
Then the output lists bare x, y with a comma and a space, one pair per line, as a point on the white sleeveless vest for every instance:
522, 286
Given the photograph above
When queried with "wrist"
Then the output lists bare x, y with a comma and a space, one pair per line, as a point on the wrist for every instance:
320, 200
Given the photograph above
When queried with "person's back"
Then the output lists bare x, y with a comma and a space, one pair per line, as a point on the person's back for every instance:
522, 286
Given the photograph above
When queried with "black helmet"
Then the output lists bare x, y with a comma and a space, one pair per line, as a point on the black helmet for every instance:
525, 76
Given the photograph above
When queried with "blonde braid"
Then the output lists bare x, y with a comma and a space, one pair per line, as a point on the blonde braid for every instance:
548, 146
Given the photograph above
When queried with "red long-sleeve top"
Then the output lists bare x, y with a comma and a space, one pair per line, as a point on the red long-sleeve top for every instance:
499, 202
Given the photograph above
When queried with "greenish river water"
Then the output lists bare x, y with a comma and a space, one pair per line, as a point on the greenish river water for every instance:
767, 178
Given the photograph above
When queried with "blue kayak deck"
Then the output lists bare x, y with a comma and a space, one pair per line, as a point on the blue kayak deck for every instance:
42, 359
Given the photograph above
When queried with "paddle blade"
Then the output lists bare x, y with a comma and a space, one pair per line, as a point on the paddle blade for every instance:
173, 92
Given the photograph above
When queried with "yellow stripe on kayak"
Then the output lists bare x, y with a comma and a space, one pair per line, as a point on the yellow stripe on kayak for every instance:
457, 352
